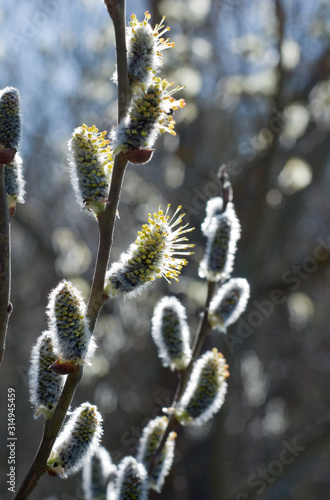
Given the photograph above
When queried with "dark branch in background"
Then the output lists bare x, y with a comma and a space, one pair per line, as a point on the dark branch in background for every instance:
97, 296
264, 170
5, 274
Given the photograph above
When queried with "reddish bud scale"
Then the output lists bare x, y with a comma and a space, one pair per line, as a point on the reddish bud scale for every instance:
139, 156
7, 155
64, 367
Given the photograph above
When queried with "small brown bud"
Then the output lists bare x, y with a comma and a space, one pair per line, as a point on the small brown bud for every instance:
139, 156
63, 366
7, 155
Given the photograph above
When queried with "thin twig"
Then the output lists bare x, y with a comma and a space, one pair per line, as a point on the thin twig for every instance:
97, 297
5, 272
202, 332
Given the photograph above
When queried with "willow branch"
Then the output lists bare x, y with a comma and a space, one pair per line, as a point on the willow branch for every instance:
5, 272
97, 298
116, 9
107, 219
106, 229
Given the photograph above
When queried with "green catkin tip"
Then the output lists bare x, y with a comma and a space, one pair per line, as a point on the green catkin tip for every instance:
77, 442
45, 385
10, 118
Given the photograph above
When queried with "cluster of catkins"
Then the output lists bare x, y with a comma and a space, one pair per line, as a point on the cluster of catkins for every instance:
158, 251
60, 350
206, 387
69, 342
150, 113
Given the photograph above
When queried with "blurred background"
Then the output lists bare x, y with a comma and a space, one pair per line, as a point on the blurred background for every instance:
258, 99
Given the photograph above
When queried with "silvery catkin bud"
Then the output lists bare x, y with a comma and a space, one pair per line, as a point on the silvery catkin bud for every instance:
132, 480
150, 114
214, 208
45, 385
171, 333
10, 118
14, 183
205, 391
77, 442
228, 303
91, 167
144, 46
73, 341
151, 256
222, 231
96, 474
151, 438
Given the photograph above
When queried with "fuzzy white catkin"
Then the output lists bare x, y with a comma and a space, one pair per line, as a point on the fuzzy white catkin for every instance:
96, 473
14, 181
228, 303
222, 232
150, 439
68, 323
10, 118
77, 442
45, 385
171, 333
148, 116
214, 207
132, 482
144, 46
206, 390
91, 165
